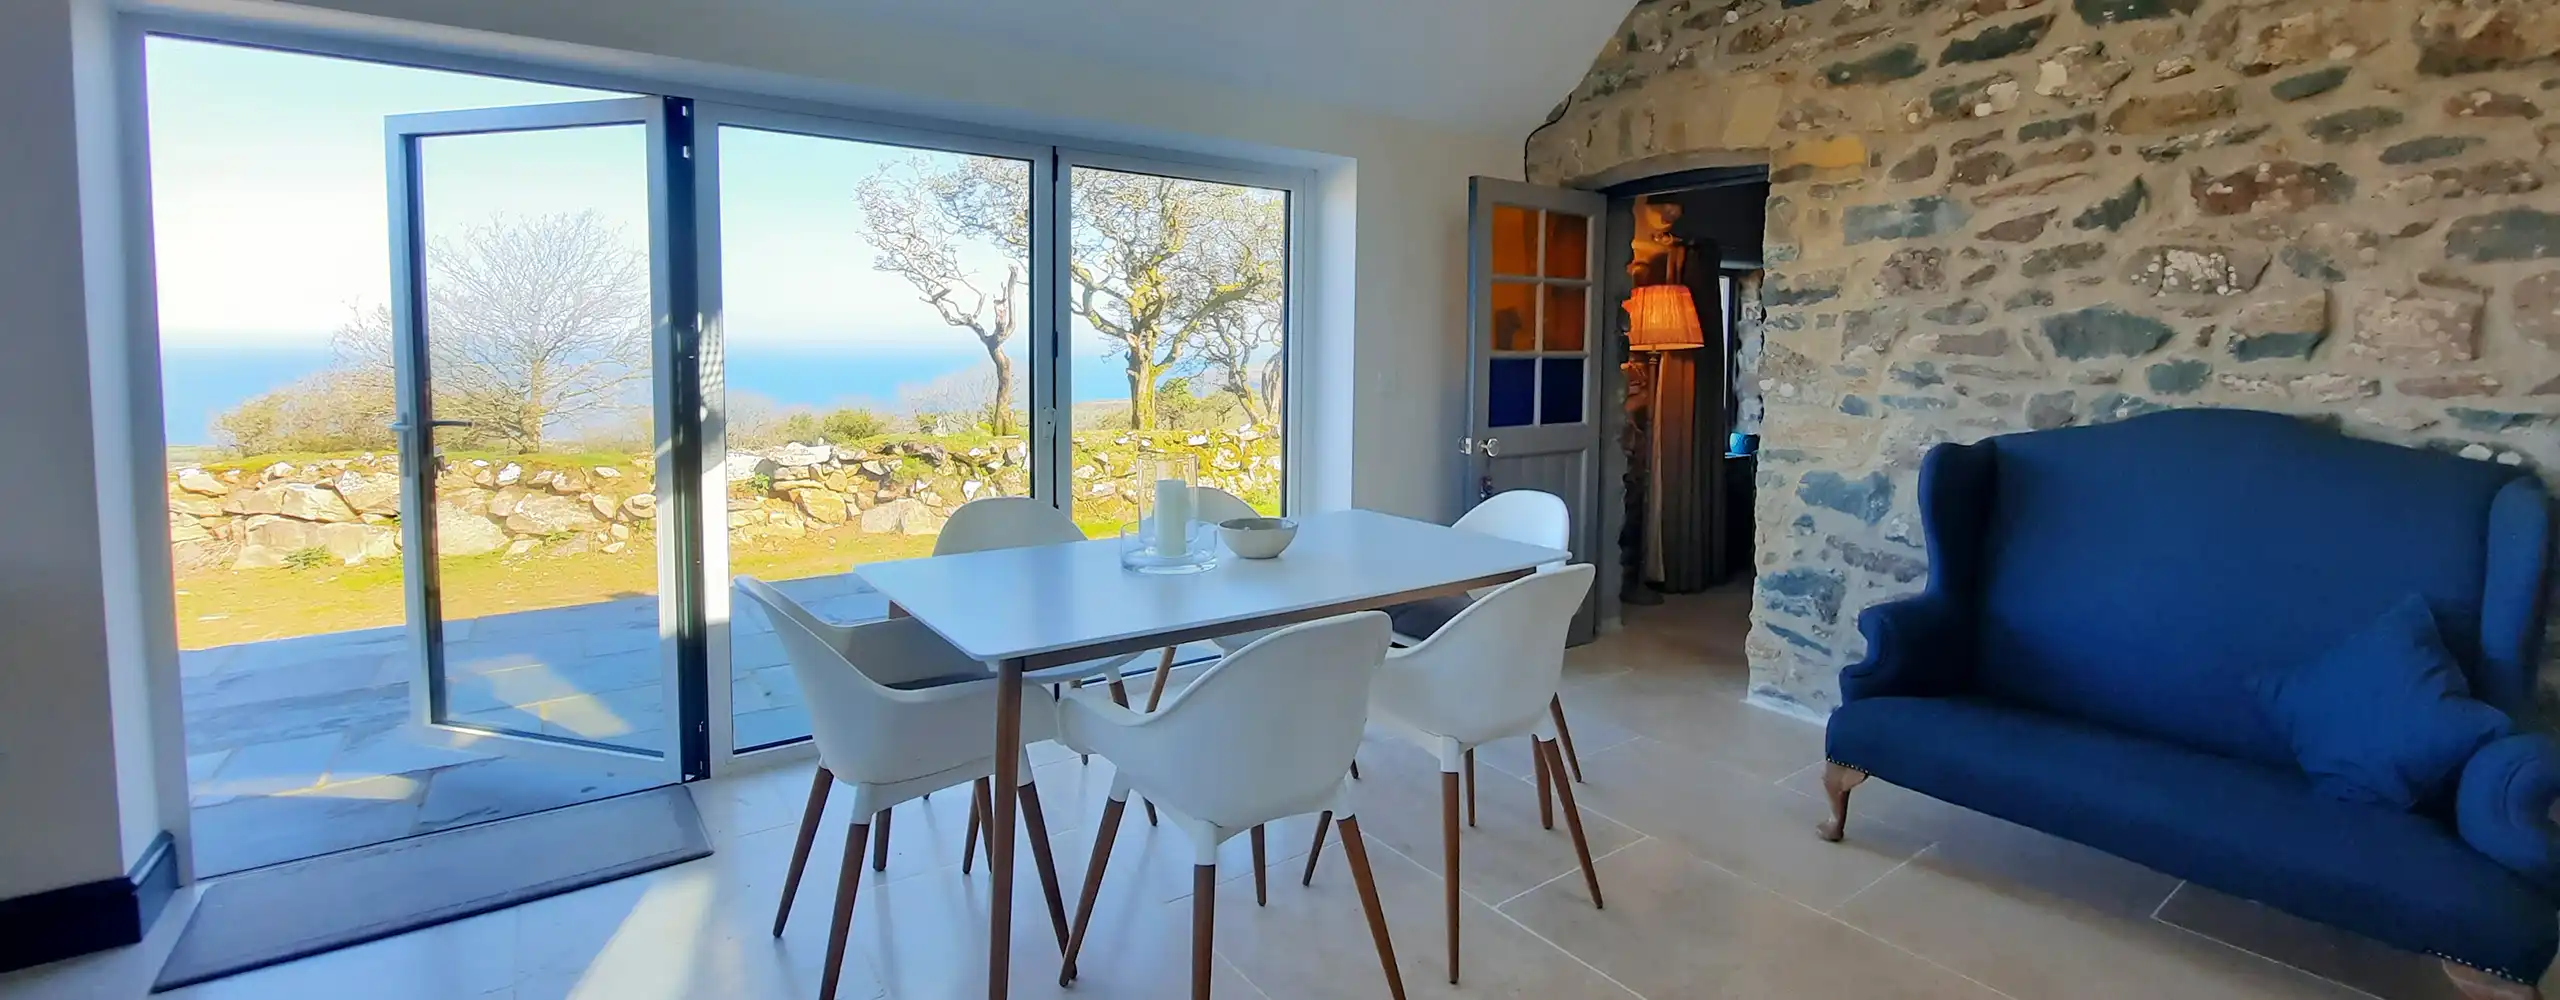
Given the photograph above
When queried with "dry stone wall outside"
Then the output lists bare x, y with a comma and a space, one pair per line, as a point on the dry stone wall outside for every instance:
346, 509
1995, 215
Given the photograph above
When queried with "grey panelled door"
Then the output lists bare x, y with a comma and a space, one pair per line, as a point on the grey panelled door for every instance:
1533, 318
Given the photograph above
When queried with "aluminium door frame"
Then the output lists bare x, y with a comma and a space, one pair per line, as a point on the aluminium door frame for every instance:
1297, 186
713, 531
416, 423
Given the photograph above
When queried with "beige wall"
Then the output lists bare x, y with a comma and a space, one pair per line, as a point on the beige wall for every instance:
1992, 215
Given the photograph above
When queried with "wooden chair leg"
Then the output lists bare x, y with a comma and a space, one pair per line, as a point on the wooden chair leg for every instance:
880, 841
1837, 781
984, 792
1261, 886
969, 844
1036, 825
1573, 821
2478, 985
800, 848
1448, 861
1471, 788
848, 885
1564, 735
1102, 838
1164, 675
1316, 850
1546, 792
1204, 927
1357, 852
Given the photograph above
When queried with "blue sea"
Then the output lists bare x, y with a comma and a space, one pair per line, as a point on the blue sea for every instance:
201, 381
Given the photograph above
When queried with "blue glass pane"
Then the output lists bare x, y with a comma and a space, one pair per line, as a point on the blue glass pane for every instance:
1511, 393
1560, 397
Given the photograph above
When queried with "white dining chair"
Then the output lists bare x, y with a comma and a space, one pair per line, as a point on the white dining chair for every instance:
1264, 734
1011, 523
1486, 675
1530, 517
892, 719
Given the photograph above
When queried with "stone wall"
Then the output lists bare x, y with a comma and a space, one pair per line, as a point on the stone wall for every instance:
346, 509
1994, 215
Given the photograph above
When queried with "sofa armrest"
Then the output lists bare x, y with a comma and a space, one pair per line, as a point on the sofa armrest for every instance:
2508, 806
1918, 646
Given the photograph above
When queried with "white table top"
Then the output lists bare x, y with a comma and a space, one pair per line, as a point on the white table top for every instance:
1007, 603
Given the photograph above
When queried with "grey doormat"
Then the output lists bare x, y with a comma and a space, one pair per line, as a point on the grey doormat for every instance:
305, 908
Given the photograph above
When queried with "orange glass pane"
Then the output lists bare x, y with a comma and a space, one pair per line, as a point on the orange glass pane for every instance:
1565, 319
1515, 240
1568, 246
1515, 317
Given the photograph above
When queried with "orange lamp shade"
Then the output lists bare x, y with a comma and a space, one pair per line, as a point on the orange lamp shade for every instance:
1663, 318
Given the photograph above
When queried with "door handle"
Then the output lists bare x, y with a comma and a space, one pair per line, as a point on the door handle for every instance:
1492, 447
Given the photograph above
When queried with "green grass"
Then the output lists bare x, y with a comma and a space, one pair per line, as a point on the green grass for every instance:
221, 607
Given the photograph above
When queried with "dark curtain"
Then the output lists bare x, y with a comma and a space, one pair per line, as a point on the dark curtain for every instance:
1691, 418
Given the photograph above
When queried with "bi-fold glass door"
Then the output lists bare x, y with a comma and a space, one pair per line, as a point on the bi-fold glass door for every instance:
890, 324
533, 355
873, 357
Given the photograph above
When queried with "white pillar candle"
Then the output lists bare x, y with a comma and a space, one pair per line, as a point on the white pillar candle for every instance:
1173, 517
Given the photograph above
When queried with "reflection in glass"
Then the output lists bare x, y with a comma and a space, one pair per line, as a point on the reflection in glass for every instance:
1511, 392
1515, 316
875, 365
1560, 391
1568, 246
1515, 240
1564, 320
538, 343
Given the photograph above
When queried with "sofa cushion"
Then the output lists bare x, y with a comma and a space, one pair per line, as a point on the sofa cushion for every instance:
2384, 717
2136, 572
2249, 830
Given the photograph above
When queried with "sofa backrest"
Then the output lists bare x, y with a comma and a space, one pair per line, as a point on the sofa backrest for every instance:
2132, 574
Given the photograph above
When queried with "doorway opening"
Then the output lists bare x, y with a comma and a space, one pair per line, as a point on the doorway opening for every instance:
294, 498
1688, 260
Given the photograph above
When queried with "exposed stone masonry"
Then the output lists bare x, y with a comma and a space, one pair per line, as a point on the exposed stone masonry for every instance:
1995, 215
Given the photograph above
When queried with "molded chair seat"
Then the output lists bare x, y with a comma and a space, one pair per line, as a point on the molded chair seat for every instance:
891, 722
1489, 674
1260, 735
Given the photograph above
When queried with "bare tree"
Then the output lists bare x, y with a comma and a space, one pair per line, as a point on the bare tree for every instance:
920, 218
1159, 260
533, 324
1241, 349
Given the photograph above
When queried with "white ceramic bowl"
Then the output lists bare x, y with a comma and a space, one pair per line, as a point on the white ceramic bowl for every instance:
1257, 537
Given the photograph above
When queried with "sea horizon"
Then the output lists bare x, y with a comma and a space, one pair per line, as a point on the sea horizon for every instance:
201, 381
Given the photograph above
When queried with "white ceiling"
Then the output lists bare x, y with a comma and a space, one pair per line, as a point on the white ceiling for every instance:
1492, 66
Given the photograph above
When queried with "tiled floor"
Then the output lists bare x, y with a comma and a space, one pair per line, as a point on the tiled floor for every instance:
1700, 809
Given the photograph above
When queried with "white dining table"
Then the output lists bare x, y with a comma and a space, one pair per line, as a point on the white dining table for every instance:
1043, 612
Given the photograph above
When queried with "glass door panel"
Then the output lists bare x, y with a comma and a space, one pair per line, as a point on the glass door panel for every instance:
529, 338
1177, 311
874, 357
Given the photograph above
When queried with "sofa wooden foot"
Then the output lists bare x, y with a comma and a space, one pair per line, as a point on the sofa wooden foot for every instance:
2479, 985
1836, 783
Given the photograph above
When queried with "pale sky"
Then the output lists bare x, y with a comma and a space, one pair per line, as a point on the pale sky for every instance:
271, 222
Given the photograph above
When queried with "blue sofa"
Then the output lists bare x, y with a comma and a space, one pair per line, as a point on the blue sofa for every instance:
2096, 596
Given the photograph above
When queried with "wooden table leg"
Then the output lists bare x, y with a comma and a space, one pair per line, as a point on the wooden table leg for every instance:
1008, 762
